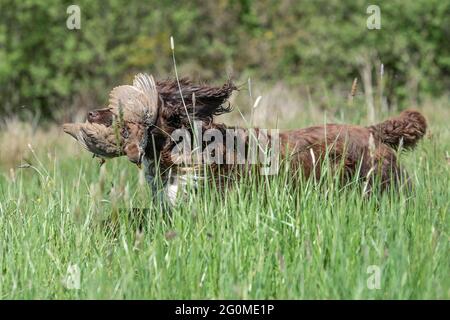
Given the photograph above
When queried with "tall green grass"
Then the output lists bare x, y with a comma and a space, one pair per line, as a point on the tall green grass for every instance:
261, 240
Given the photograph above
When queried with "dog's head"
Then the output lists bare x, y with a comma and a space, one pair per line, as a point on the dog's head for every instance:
103, 116
121, 128
144, 115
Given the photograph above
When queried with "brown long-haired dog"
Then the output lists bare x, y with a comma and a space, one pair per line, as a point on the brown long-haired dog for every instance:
369, 152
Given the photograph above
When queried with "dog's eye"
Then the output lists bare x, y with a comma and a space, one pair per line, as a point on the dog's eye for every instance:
125, 133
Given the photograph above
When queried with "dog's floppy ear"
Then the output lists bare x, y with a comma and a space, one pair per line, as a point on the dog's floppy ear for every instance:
201, 102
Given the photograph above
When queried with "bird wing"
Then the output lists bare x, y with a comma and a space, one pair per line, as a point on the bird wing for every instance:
136, 103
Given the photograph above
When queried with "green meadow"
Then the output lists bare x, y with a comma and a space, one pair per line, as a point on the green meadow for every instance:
68, 230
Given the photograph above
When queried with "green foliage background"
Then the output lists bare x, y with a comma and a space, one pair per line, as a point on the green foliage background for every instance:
46, 68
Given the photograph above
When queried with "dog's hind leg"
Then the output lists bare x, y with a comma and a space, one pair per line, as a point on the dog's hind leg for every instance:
383, 172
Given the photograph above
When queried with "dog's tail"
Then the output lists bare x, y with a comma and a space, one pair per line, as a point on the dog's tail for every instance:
406, 129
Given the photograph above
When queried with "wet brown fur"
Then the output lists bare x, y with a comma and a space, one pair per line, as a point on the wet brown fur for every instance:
347, 147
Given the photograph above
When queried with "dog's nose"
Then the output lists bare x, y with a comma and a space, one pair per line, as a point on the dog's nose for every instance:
92, 115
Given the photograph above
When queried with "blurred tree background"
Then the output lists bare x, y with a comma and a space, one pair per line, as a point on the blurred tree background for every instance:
48, 70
